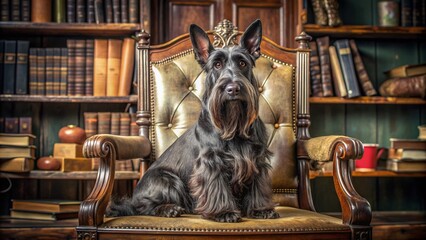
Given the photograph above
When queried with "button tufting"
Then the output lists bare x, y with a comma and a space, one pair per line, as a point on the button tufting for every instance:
260, 89
169, 125
190, 88
276, 125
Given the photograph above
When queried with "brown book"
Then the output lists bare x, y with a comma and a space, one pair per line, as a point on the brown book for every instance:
41, 11
115, 123
8, 152
15, 12
134, 128
100, 67
124, 124
11, 125
80, 11
33, 71
91, 123
90, 11
89, 67
364, 79
413, 144
71, 18
64, 72
16, 139
315, 71
41, 71
124, 7
25, 125
133, 11
56, 71
412, 154
17, 165
104, 122
108, 11
36, 215
324, 56
49, 71
116, 11
71, 45
80, 67
67, 150
414, 86
408, 70
127, 65
406, 165
25, 10
46, 205
336, 70
113, 66
76, 164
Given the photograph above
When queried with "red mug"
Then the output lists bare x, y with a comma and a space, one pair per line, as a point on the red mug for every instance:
368, 162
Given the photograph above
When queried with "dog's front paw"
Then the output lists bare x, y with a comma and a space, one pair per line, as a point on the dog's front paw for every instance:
264, 214
169, 210
229, 217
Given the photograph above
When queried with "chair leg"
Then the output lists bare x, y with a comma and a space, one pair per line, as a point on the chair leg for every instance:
361, 232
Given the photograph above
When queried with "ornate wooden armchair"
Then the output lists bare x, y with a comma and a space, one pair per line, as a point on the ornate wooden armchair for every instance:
170, 84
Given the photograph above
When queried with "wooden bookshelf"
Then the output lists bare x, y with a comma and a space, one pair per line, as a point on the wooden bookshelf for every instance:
367, 100
67, 99
378, 173
75, 175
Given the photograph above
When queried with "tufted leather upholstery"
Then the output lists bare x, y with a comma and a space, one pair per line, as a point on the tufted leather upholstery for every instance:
178, 85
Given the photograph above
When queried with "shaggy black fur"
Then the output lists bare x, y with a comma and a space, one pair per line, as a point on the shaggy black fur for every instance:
220, 167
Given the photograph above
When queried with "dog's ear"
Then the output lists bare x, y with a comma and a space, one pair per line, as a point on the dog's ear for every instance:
252, 37
200, 43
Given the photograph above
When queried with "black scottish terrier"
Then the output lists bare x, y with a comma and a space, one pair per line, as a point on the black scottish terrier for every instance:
220, 167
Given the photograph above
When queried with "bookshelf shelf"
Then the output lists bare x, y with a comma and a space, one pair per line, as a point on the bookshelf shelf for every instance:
67, 99
76, 175
80, 29
365, 31
378, 173
367, 100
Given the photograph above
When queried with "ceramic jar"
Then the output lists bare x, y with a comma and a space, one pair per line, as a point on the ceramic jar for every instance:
72, 134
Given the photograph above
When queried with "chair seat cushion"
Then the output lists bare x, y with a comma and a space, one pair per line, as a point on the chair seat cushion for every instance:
292, 220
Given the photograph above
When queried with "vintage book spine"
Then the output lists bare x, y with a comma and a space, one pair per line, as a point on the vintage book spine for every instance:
41, 10
5, 13
22, 49
17, 165
64, 72
336, 70
134, 128
90, 7
71, 45
113, 66
124, 7
15, 7
91, 123
99, 11
41, 71
8, 152
1, 65
25, 125
100, 67
108, 12
89, 67
406, 13
116, 11
115, 123
46, 205
80, 67
67, 150
76, 164
33, 71
417, 22
71, 11
124, 124
9, 67
348, 69
25, 10
59, 10
133, 11
104, 122
80, 11
363, 77
49, 71
315, 71
11, 125
126, 66
36, 215
324, 56
56, 71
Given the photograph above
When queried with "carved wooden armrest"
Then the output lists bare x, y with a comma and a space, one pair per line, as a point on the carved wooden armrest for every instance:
108, 148
356, 210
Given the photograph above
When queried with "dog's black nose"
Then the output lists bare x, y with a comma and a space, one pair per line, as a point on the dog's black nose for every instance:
232, 89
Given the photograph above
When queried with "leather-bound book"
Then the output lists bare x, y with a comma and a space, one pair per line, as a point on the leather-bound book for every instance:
64, 72
336, 71
9, 67
25, 10
315, 71
1, 64
113, 66
406, 13
71, 45
81, 11
348, 69
109, 18
25, 125
80, 67
41, 10
115, 123
364, 79
324, 56
133, 11
41, 71
100, 67
33, 85
15, 7
127, 65
49, 71
104, 122
414, 86
124, 11
116, 11
71, 11
89, 67
59, 11
11, 125
4, 10
56, 71
124, 124
134, 128
91, 123
90, 9
417, 13
22, 49
99, 11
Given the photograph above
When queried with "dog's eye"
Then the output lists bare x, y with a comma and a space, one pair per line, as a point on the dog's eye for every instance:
218, 65
243, 64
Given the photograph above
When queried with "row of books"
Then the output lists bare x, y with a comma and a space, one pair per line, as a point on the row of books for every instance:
413, 13
407, 155
338, 70
44, 209
71, 11
17, 152
16, 125
117, 123
99, 67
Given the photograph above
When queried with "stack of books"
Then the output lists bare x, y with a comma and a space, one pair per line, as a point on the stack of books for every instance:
17, 152
44, 209
407, 155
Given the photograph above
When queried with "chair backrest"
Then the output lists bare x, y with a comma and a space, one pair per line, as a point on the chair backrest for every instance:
171, 84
